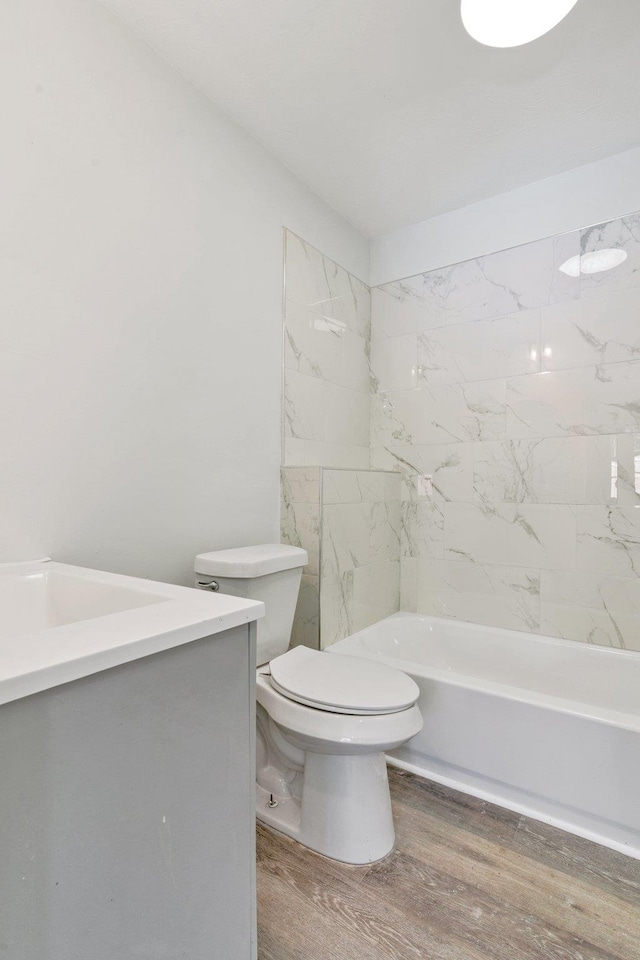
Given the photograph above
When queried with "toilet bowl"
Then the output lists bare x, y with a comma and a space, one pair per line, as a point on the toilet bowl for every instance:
323, 722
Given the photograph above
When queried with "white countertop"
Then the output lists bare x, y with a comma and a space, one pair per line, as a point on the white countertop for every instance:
59, 623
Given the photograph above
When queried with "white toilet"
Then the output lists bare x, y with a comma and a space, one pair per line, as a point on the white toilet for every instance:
324, 722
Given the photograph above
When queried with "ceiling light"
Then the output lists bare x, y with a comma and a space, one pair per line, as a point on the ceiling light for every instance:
597, 261
505, 23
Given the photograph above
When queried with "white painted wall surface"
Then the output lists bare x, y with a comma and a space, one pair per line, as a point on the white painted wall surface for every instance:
140, 302
590, 194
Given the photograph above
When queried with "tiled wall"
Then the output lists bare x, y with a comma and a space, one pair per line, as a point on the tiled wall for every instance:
348, 521
300, 527
327, 328
359, 550
516, 388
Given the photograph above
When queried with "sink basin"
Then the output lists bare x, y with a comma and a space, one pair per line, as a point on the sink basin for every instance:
50, 598
59, 622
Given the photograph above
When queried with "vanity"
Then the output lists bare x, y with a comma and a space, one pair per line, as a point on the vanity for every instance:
127, 731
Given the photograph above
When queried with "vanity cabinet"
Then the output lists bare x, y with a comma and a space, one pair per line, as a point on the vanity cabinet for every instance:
127, 810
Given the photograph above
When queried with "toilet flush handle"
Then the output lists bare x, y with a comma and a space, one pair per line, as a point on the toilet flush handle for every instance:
212, 584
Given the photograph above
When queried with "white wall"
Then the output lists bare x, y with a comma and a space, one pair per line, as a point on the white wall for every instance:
590, 194
140, 302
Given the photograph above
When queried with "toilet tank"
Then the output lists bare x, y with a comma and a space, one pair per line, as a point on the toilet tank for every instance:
270, 572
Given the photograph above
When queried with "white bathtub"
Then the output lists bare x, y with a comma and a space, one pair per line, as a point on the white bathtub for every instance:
547, 727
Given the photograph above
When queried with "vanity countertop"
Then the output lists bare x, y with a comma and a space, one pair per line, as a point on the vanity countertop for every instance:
59, 622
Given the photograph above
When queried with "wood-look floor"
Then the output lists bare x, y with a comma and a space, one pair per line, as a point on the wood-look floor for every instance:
467, 881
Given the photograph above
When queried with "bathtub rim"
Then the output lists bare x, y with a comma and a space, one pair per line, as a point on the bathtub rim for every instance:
616, 718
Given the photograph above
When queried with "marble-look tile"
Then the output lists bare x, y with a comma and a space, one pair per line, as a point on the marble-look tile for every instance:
590, 626
422, 532
591, 400
499, 596
345, 416
376, 593
480, 350
587, 607
310, 346
359, 486
609, 540
592, 330
450, 466
355, 368
626, 456
394, 364
409, 584
300, 527
306, 622
293, 452
499, 284
528, 535
338, 455
316, 282
440, 413
622, 233
301, 485
304, 407
357, 534
399, 308
336, 608
548, 470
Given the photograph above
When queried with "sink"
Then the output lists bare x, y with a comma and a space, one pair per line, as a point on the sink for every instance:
59, 622
50, 598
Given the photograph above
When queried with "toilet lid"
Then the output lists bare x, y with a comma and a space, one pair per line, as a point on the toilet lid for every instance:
341, 684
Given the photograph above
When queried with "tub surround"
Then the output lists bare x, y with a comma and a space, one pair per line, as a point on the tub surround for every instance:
514, 389
349, 522
327, 332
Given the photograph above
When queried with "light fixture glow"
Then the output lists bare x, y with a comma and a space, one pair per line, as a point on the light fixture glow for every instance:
596, 261
506, 23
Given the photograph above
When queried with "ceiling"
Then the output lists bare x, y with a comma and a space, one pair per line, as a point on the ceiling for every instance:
389, 110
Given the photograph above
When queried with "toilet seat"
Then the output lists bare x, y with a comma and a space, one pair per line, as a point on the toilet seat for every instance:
345, 684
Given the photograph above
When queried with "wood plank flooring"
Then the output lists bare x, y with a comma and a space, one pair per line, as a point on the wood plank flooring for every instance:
467, 881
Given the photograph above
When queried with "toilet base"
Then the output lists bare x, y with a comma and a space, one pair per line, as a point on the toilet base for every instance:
344, 811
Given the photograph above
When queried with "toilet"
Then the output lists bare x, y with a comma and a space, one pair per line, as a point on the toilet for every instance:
323, 722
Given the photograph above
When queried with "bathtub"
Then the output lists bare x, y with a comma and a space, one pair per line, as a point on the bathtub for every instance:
549, 728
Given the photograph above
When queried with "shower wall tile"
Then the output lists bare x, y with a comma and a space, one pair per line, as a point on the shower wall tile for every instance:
450, 466
603, 399
591, 331
327, 331
306, 622
400, 308
599, 609
440, 414
620, 234
300, 527
609, 540
500, 284
336, 608
528, 535
360, 548
549, 470
480, 350
321, 285
357, 534
422, 529
309, 347
376, 592
498, 596
394, 364
524, 411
